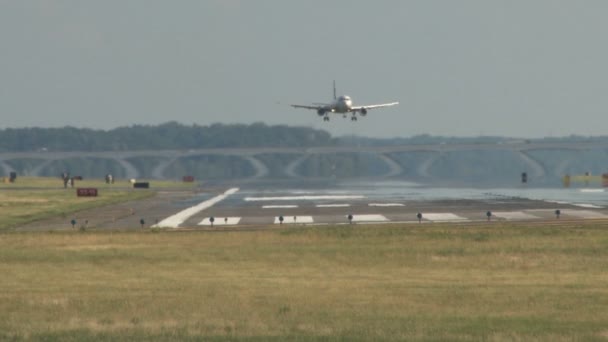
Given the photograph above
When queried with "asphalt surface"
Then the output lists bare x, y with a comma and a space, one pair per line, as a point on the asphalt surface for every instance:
260, 208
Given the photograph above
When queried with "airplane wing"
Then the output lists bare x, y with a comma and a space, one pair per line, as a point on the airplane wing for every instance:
308, 107
361, 108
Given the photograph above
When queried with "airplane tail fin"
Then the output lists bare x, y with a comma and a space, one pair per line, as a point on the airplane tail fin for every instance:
334, 89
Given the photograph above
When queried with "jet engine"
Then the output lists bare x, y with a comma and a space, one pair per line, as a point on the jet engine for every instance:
321, 111
363, 111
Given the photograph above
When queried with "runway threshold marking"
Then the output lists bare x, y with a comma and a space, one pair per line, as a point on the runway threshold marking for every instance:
369, 218
445, 217
175, 220
220, 221
514, 215
294, 219
585, 214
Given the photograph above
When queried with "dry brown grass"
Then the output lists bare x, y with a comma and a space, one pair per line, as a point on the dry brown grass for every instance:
22, 206
437, 282
57, 183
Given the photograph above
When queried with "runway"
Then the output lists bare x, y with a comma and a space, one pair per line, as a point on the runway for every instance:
320, 207
345, 203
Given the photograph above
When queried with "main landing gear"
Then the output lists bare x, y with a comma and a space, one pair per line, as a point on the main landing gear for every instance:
352, 118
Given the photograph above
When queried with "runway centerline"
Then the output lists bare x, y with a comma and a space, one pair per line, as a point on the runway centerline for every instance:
303, 198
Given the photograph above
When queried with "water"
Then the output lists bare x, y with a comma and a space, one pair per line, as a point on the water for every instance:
403, 191
395, 191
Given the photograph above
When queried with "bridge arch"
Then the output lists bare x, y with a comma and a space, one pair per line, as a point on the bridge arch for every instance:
6, 168
394, 168
158, 172
130, 170
538, 167
290, 169
423, 170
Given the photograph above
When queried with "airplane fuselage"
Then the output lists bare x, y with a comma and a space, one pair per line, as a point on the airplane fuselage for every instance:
342, 104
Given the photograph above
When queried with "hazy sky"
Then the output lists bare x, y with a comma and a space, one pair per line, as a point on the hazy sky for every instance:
525, 68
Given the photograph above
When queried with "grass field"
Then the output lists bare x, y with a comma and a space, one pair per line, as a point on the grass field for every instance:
501, 282
36, 198
57, 183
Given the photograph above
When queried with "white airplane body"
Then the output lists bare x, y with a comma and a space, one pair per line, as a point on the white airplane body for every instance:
342, 105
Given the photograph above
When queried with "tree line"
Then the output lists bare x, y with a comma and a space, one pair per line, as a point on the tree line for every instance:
173, 135
170, 135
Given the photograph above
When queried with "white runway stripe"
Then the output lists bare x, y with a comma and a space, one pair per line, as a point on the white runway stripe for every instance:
294, 219
221, 221
332, 205
586, 214
585, 205
514, 215
304, 198
369, 218
442, 217
279, 206
179, 218
386, 205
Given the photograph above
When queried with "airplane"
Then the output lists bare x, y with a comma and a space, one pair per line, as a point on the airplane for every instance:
342, 105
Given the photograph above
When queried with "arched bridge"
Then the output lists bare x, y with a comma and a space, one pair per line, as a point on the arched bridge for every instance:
294, 157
